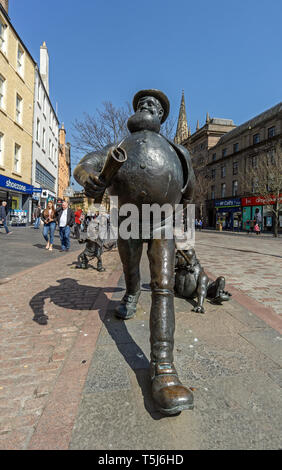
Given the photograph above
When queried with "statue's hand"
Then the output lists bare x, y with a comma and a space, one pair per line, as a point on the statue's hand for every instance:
94, 186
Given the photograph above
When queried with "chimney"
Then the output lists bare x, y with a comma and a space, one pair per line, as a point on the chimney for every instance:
62, 135
44, 65
5, 4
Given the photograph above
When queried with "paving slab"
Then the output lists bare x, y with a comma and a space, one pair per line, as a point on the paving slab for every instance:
234, 377
82, 381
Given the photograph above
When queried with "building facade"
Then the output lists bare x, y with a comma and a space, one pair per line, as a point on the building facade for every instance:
45, 137
226, 156
64, 164
16, 118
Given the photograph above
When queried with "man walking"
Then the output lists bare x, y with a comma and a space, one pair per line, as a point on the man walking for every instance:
36, 216
3, 217
65, 218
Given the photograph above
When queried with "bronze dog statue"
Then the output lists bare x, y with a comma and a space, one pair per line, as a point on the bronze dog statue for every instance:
191, 281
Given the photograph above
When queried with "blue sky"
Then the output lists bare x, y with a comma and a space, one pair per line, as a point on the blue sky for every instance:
226, 55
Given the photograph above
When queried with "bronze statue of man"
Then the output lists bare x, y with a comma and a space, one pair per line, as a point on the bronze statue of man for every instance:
156, 171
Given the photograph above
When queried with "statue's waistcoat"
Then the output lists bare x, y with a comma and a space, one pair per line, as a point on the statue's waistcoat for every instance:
152, 173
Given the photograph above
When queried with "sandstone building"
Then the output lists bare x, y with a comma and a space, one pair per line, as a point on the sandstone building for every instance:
64, 164
225, 157
16, 117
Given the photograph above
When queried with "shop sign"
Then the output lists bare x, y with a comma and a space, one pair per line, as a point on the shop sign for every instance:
36, 193
15, 185
233, 202
260, 200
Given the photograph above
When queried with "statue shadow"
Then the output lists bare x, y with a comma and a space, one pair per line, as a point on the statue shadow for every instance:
75, 265
69, 294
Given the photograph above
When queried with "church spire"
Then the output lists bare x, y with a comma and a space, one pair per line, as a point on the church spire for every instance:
182, 126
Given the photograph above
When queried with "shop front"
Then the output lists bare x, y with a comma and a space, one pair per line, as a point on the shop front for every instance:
19, 200
228, 214
264, 205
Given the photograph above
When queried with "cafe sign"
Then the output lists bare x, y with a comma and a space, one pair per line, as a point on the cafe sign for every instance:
232, 202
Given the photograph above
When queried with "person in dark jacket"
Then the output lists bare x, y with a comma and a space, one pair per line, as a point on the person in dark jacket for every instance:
36, 217
3, 217
65, 219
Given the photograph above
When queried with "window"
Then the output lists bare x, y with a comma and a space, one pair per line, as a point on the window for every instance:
213, 157
271, 157
223, 189
254, 185
19, 109
213, 173
224, 152
17, 158
236, 147
2, 36
38, 130
2, 91
223, 171
254, 161
49, 150
44, 104
256, 139
1, 148
43, 138
235, 168
271, 132
44, 178
212, 192
39, 92
20, 60
235, 188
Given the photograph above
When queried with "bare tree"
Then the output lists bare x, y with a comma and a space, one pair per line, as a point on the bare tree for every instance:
203, 180
107, 126
168, 128
263, 177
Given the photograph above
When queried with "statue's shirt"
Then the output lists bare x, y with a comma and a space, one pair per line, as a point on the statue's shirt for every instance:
152, 173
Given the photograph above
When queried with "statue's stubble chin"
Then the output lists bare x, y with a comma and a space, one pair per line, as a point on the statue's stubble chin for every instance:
143, 121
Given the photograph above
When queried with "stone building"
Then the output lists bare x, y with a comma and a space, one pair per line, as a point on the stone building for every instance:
16, 118
225, 155
45, 136
64, 164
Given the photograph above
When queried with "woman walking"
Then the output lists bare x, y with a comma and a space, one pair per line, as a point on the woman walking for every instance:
48, 217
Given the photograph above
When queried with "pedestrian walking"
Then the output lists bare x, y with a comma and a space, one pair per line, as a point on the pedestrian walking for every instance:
257, 221
78, 220
49, 219
257, 229
3, 217
66, 219
200, 223
36, 217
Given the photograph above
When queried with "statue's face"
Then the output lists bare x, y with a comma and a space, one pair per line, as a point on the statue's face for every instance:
148, 115
149, 104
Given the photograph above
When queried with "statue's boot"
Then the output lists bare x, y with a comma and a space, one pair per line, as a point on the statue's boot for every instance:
128, 305
169, 395
100, 267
